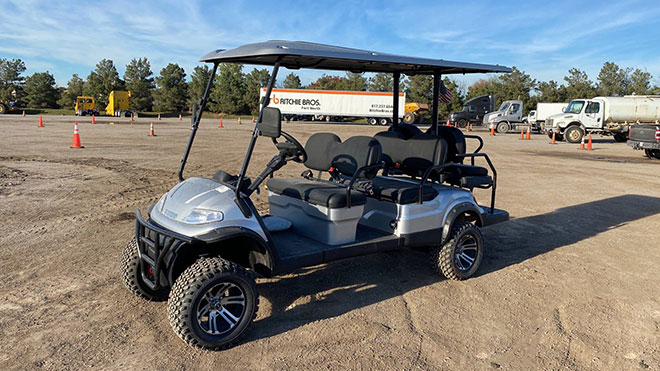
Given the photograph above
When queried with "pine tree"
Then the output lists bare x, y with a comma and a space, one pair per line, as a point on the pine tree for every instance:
171, 92
140, 83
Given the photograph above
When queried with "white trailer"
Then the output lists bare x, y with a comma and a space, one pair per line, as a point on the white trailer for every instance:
537, 117
604, 115
331, 105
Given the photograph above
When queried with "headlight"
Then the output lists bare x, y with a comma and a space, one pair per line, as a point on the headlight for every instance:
161, 203
200, 216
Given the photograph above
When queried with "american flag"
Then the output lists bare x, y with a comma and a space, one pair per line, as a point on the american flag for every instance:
445, 94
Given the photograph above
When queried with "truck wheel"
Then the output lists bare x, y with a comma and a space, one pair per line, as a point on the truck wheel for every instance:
132, 277
573, 134
620, 137
383, 121
502, 127
212, 303
652, 153
3, 109
459, 257
372, 121
462, 123
409, 118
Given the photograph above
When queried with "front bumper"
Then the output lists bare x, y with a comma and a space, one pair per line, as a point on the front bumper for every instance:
635, 144
157, 248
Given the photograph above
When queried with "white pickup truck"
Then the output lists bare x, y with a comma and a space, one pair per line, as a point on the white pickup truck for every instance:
603, 115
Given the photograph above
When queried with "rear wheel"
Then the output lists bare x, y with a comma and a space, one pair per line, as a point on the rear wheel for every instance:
409, 118
372, 121
573, 134
462, 123
131, 274
652, 153
212, 303
459, 258
383, 121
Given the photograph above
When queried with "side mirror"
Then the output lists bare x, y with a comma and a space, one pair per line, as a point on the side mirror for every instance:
271, 123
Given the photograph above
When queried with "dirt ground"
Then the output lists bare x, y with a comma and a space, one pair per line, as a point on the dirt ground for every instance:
570, 282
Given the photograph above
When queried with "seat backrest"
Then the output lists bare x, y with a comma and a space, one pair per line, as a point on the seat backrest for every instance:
406, 131
412, 156
455, 141
326, 150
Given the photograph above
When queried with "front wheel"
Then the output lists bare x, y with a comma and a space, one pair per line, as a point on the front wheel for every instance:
409, 118
212, 303
652, 153
573, 134
462, 123
131, 273
502, 127
3, 109
459, 258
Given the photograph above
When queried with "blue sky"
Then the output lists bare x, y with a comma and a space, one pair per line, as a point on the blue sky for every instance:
543, 38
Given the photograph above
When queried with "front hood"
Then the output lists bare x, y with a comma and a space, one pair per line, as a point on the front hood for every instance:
492, 115
195, 193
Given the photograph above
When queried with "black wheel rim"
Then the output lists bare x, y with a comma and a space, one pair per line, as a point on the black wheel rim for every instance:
466, 252
221, 308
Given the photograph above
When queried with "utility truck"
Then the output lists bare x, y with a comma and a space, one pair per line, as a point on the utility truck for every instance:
537, 117
473, 111
331, 105
508, 117
201, 245
605, 116
7, 106
85, 106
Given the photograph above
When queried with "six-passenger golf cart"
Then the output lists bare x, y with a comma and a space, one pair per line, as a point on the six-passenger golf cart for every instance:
204, 241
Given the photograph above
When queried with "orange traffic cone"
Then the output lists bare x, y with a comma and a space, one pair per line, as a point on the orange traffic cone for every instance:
151, 130
589, 147
522, 136
529, 134
159, 117
41, 122
180, 118
582, 143
554, 137
76, 137
492, 132
253, 120
220, 122
239, 120
93, 119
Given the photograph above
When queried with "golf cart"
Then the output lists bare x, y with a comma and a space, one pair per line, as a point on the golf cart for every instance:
201, 245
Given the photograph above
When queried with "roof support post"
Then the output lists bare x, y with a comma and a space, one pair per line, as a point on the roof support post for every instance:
255, 132
436, 100
396, 76
197, 115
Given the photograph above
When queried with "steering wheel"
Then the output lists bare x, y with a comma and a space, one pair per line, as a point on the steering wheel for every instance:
291, 149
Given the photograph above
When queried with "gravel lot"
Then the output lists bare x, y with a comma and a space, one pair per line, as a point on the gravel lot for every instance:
570, 282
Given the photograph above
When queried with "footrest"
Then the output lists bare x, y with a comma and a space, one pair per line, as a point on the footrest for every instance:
494, 217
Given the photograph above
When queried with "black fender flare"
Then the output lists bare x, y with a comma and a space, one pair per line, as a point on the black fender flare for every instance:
456, 211
205, 243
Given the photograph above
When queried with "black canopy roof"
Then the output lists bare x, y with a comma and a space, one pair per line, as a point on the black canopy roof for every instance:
301, 54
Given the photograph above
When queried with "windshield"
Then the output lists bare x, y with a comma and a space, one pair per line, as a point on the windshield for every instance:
575, 106
504, 106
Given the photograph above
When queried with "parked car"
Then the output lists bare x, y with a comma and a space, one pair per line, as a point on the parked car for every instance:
647, 138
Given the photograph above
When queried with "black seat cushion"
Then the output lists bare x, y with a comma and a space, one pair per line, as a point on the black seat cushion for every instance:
411, 156
326, 150
315, 192
400, 190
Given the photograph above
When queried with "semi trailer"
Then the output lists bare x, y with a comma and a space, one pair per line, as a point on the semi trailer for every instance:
605, 116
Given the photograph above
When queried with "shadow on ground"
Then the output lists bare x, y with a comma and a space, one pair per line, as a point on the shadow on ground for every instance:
334, 289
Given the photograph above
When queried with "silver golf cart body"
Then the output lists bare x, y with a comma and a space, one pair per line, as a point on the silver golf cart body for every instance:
214, 216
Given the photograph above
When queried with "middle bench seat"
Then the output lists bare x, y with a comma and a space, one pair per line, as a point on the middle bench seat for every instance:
412, 157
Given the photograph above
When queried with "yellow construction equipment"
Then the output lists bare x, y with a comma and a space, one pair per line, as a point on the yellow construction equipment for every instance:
6, 107
119, 103
85, 106
413, 112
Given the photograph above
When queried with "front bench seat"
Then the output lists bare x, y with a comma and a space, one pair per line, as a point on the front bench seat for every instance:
326, 151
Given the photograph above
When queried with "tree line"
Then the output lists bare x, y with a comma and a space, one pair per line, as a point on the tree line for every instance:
237, 92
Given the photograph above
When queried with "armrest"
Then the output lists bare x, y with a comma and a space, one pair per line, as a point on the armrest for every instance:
356, 176
481, 144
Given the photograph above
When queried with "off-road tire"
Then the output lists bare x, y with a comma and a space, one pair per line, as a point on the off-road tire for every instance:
620, 137
132, 278
652, 153
571, 134
187, 293
409, 118
443, 259
3, 109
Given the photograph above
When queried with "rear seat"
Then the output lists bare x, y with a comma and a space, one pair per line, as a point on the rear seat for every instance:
409, 156
326, 151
